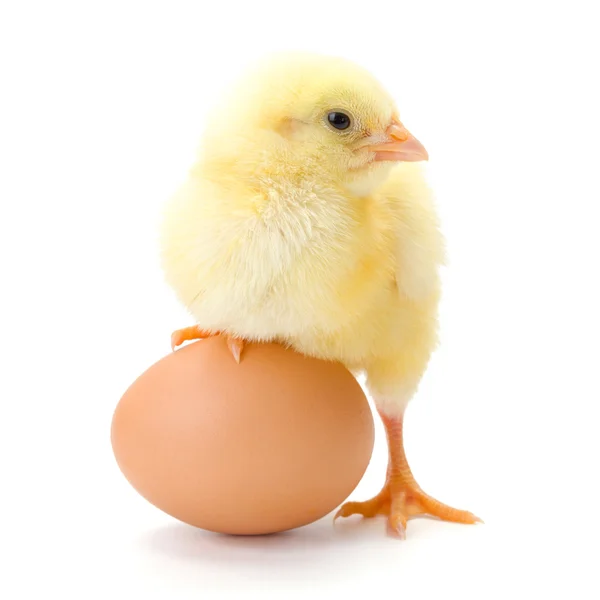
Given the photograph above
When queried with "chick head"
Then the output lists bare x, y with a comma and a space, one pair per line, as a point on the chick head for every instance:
305, 114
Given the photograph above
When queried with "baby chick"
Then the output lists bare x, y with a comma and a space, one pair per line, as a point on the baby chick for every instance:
307, 221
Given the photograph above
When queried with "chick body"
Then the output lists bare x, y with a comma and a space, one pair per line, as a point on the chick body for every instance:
289, 255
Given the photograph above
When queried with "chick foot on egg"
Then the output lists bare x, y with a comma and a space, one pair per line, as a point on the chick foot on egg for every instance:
401, 501
188, 334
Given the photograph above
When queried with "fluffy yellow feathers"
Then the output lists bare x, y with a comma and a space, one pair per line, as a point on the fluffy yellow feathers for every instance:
303, 222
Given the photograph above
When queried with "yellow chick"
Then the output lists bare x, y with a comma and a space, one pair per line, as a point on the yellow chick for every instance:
306, 221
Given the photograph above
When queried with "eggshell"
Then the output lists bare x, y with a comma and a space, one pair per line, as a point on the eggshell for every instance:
273, 443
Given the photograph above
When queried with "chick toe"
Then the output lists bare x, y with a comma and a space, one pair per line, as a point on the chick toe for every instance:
188, 334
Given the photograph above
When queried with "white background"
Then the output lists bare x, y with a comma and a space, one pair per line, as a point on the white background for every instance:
101, 107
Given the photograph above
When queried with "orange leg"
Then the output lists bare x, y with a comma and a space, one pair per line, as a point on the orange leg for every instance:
189, 334
401, 497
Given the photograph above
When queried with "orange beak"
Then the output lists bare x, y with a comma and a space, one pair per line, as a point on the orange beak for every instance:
402, 146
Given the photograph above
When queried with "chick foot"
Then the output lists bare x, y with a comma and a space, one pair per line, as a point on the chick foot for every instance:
401, 497
401, 501
188, 334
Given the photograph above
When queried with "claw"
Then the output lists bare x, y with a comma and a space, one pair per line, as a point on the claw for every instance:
236, 346
175, 340
398, 529
344, 511
370, 508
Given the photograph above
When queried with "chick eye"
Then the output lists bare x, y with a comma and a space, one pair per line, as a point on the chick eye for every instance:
339, 120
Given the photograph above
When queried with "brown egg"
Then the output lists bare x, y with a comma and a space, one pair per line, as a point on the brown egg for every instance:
273, 443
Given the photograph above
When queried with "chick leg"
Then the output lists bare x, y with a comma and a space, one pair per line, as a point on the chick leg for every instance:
401, 497
188, 334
